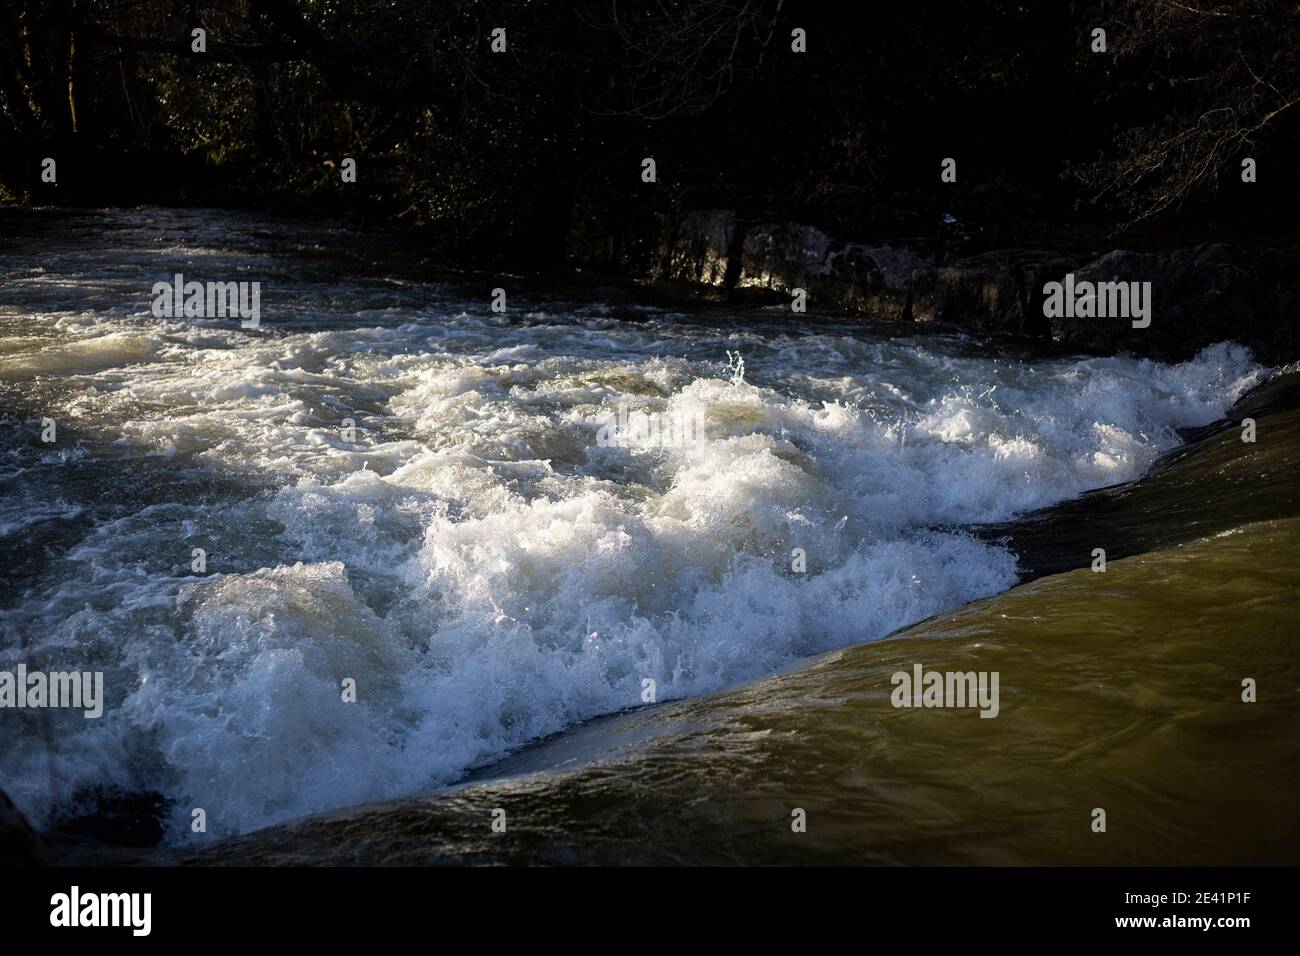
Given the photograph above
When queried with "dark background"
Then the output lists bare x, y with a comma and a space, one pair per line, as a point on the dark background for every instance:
501, 156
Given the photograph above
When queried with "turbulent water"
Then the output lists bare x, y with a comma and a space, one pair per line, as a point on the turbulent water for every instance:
484, 566
1120, 691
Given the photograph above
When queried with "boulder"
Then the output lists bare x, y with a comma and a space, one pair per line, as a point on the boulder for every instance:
995, 292
1200, 295
701, 247
872, 279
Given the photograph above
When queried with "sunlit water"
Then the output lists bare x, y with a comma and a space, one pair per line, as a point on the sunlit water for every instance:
472, 556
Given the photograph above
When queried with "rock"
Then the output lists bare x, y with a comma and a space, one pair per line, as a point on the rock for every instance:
19, 843
1200, 295
873, 279
995, 292
702, 247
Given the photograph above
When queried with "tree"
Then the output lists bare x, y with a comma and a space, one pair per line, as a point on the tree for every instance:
1219, 79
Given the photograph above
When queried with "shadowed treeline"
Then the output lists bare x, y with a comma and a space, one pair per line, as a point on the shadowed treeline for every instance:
506, 152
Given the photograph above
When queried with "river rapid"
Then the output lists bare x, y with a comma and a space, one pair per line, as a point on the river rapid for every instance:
391, 484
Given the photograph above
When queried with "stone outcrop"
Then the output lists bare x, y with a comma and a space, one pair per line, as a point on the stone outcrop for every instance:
702, 247
1200, 294
871, 279
991, 293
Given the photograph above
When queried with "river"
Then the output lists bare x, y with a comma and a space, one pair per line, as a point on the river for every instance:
404, 496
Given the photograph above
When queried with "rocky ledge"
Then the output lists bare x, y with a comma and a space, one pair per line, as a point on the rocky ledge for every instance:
1199, 294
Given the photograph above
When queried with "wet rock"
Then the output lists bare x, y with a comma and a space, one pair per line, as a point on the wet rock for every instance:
1200, 295
995, 292
872, 279
19, 843
703, 247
